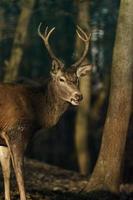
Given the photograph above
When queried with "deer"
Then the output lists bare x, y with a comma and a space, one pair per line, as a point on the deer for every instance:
26, 108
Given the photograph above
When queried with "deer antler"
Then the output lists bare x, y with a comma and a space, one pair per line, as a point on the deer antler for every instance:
45, 38
86, 40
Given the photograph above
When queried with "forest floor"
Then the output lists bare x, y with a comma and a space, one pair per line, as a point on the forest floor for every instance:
45, 182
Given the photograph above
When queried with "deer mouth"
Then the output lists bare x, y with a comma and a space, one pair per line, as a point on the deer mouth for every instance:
75, 102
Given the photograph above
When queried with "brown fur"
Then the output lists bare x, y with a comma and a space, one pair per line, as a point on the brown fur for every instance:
24, 103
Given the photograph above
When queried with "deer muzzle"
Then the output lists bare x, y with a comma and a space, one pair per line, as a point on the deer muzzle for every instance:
76, 99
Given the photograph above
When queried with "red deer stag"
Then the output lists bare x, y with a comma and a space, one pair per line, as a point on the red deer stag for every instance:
24, 109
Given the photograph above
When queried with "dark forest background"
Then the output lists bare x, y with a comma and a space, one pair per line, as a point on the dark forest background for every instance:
57, 145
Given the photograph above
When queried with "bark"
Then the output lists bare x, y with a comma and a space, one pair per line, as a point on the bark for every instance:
12, 66
108, 169
2, 27
81, 124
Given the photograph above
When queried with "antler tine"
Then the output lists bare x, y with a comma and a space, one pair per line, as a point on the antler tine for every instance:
86, 40
86, 37
49, 33
83, 32
39, 32
46, 31
45, 38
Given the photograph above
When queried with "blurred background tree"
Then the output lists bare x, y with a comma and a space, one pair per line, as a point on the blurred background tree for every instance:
107, 173
82, 117
33, 62
12, 66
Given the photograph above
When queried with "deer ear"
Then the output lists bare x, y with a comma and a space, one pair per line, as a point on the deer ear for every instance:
83, 70
55, 67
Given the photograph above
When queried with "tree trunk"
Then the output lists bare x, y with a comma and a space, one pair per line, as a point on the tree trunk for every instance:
81, 124
12, 66
2, 27
108, 169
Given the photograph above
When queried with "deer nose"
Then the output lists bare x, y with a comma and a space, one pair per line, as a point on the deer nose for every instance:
78, 96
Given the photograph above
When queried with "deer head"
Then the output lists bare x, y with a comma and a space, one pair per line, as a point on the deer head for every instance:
66, 80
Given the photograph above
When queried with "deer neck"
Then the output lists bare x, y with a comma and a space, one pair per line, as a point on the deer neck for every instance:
53, 106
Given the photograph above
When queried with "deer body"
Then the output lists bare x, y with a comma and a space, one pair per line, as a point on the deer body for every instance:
25, 108
39, 106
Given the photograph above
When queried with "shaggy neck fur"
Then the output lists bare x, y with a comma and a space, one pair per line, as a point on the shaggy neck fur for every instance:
51, 106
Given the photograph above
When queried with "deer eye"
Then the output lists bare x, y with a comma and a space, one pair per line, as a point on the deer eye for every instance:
62, 79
